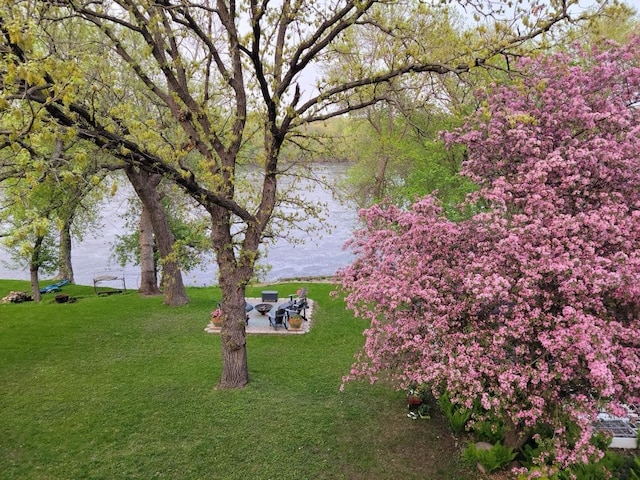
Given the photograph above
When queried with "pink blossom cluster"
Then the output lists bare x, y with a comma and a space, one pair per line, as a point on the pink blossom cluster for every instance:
532, 304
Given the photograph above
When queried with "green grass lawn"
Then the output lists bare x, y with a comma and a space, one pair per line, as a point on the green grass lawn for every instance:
123, 387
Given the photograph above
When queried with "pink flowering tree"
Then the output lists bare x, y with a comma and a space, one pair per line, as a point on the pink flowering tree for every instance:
529, 307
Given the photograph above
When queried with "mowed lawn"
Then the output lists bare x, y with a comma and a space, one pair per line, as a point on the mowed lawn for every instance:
123, 387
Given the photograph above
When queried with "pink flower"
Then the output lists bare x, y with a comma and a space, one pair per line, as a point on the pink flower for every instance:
532, 304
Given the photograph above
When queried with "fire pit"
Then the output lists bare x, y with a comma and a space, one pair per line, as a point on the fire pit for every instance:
263, 308
62, 298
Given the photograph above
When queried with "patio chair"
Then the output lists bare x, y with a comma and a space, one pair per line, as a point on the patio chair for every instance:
279, 318
247, 308
299, 305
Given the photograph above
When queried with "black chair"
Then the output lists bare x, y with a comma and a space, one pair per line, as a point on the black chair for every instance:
279, 318
247, 308
299, 308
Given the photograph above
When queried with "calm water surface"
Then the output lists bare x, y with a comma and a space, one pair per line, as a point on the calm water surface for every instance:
321, 254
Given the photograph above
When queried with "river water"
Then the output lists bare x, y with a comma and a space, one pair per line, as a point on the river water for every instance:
320, 255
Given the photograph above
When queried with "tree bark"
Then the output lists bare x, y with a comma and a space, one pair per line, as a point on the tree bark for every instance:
34, 267
148, 271
235, 369
514, 437
380, 178
145, 183
65, 268
233, 277
35, 283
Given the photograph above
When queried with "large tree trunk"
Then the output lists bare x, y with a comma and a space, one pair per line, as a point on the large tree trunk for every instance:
235, 370
65, 268
148, 272
234, 275
34, 267
35, 283
145, 183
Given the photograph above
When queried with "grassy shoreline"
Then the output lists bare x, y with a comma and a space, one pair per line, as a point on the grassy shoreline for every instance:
124, 387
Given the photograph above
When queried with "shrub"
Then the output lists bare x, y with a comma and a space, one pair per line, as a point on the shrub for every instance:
490, 430
457, 416
530, 304
491, 459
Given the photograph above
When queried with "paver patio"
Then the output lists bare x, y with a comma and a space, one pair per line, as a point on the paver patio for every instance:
259, 323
